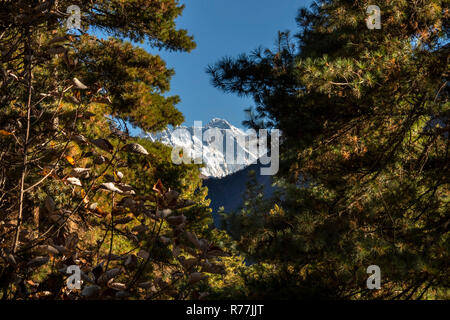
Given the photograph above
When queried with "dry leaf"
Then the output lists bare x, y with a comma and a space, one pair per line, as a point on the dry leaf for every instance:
117, 286
187, 263
213, 268
50, 204
196, 277
124, 187
78, 84
80, 139
62, 250
216, 253
135, 148
110, 186
74, 181
90, 291
165, 240
108, 275
80, 171
103, 144
143, 254
47, 249
171, 196
37, 262
83, 173
194, 240
119, 175
176, 220
163, 213
56, 50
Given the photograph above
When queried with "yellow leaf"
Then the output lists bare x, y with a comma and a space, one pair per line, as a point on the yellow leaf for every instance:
70, 160
5, 133
83, 195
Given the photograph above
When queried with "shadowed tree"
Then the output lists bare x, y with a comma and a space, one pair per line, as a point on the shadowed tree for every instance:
365, 121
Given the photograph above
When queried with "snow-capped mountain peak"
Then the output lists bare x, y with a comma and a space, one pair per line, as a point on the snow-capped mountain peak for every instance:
199, 144
219, 123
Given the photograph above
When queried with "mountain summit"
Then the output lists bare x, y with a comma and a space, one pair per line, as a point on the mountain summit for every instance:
213, 155
220, 124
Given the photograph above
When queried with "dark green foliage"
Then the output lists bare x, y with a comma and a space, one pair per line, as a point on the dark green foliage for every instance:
365, 121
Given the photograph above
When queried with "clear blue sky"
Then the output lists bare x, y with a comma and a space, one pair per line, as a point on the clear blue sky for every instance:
223, 28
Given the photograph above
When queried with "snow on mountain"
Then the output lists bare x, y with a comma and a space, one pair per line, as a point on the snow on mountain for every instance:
201, 144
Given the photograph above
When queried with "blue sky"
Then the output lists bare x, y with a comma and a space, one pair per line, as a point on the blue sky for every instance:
223, 28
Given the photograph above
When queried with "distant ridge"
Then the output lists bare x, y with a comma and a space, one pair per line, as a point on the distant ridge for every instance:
227, 191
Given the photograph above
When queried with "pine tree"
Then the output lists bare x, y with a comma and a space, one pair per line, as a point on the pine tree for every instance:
365, 121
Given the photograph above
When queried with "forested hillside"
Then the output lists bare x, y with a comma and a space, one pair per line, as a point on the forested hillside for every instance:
228, 192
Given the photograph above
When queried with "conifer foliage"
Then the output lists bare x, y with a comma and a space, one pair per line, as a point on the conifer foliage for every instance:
365, 154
